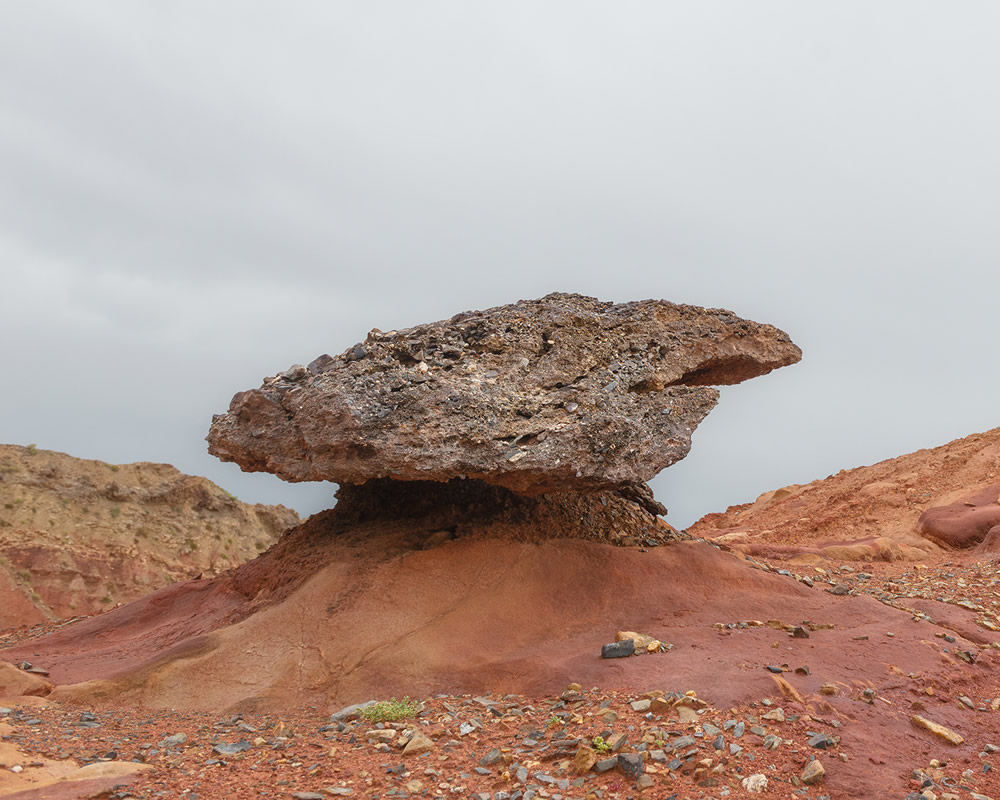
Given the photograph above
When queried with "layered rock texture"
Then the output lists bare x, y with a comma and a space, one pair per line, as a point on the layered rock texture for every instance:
565, 393
79, 536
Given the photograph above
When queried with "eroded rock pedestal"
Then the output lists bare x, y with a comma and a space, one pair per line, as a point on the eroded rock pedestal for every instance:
486, 465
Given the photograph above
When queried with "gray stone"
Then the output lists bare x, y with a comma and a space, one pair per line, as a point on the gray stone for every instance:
618, 649
630, 764
348, 712
226, 749
821, 741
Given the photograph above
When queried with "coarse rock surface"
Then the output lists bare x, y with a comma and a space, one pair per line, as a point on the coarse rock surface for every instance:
78, 536
564, 393
916, 507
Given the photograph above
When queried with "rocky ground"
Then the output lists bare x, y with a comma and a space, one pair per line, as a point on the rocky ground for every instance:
885, 733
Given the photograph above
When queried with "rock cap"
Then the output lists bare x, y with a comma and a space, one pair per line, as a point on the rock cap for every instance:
563, 393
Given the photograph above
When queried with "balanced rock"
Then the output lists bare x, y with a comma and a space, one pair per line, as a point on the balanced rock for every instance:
564, 393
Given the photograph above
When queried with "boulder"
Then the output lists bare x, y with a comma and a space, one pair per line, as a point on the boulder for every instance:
564, 393
15, 682
965, 523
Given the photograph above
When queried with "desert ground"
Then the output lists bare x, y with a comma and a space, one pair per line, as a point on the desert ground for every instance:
495, 608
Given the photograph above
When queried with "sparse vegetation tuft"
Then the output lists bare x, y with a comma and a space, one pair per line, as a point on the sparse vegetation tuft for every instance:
390, 710
600, 745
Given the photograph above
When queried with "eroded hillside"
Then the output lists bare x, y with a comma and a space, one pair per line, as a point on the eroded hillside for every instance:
78, 536
904, 508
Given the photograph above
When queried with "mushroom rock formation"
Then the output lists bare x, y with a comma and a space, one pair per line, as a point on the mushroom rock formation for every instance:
487, 466
561, 394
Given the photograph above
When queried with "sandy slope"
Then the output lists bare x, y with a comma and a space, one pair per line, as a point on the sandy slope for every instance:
872, 512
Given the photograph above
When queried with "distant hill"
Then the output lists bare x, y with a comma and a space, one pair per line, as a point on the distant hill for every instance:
902, 508
79, 536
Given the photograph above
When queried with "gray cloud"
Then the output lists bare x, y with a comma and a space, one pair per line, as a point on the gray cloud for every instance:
195, 195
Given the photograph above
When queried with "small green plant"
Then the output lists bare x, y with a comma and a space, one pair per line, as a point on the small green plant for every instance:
230, 495
600, 745
115, 511
32, 449
389, 710
554, 721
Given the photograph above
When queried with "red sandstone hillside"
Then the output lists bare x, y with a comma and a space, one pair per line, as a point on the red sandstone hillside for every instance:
904, 508
79, 536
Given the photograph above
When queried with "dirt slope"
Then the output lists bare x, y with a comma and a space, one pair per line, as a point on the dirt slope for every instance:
328, 617
888, 511
360, 604
79, 536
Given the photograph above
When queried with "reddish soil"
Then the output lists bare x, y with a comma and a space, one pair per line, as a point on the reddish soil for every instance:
850, 642
903, 508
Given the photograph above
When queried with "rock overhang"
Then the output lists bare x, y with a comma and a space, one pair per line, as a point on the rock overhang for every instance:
563, 393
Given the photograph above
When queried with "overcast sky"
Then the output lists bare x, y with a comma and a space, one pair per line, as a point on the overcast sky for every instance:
194, 195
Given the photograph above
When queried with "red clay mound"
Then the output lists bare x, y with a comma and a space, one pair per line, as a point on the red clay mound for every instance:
890, 511
346, 608
369, 614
